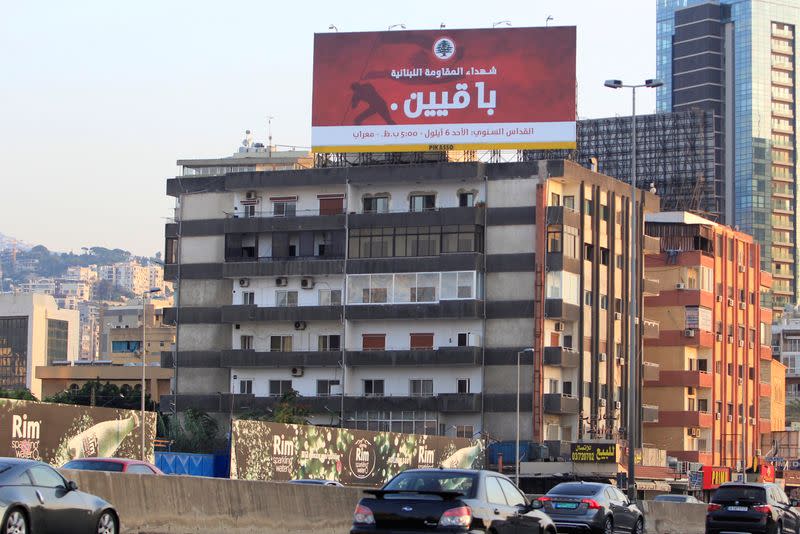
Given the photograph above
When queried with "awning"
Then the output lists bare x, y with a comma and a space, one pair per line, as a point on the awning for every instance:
653, 485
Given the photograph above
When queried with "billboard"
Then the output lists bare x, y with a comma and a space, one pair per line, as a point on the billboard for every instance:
275, 451
599, 453
58, 433
714, 477
409, 91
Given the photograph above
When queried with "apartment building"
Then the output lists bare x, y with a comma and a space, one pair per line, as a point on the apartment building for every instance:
400, 297
716, 376
786, 346
121, 333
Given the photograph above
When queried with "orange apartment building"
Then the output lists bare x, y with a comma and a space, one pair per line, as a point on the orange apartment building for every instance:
717, 375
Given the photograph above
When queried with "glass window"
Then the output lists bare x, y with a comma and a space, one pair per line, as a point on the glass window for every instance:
284, 208
285, 298
433, 481
57, 333
373, 388
330, 297
280, 343
422, 202
466, 200
324, 387
46, 477
246, 342
279, 388
246, 386
139, 469
513, 496
329, 342
421, 387
426, 288
376, 204
494, 493
357, 288
93, 465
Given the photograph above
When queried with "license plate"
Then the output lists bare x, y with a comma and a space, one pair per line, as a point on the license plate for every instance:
737, 508
566, 505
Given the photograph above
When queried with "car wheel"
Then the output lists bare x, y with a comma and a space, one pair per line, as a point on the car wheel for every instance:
16, 522
608, 526
107, 524
639, 527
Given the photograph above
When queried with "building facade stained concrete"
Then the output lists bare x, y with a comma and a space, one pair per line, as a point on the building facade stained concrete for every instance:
34, 332
398, 296
717, 375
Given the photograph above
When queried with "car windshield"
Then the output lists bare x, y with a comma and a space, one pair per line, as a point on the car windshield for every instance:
739, 493
432, 481
671, 498
87, 465
577, 490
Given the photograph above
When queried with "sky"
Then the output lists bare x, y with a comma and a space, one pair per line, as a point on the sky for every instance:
98, 99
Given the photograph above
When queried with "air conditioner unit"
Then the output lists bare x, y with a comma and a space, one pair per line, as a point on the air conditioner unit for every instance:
307, 283
617, 405
739, 380
730, 302
742, 268
620, 360
689, 332
730, 339
717, 416
251, 195
752, 421
237, 326
300, 325
742, 306
680, 285
751, 345
741, 343
602, 356
719, 298
719, 337
297, 371
602, 402
617, 316
730, 418
282, 281
244, 282
694, 432
559, 327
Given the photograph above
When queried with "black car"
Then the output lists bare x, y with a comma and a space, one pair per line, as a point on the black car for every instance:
751, 507
449, 500
34, 497
592, 507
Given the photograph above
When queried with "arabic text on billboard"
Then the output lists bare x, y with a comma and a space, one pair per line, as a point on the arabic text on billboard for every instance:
274, 451
58, 433
509, 88
603, 453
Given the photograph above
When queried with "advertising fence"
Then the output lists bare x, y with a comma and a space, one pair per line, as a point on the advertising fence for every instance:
505, 88
58, 433
275, 451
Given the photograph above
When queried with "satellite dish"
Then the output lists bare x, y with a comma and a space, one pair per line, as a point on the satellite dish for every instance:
248, 139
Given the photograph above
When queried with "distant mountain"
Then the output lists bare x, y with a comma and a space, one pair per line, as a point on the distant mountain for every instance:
7, 242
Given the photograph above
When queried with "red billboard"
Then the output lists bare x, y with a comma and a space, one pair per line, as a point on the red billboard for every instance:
509, 88
714, 477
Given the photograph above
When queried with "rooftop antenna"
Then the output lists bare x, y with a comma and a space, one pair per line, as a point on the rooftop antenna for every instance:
333, 27
441, 26
269, 135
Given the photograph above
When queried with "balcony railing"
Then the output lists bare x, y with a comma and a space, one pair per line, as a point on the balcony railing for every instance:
260, 214
560, 404
561, 357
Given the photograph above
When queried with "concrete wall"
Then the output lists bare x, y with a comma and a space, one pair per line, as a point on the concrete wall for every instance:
185, 504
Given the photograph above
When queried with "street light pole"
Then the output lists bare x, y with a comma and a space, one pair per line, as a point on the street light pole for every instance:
144, 359
633, 329
516, 454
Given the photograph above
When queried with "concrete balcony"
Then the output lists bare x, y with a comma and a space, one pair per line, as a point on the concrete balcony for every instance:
561, 357
246, 313
697, 379
434, 217
685, 418
650, 371
651, 245
558, 309
279, 359
557, 261
651, 329
561, 216
560, 404
649, 413
459, 402
650, 287
297, 266
444, 356
445, 309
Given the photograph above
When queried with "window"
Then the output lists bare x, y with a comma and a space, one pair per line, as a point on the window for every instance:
57, 340
421, 341
330, 297
620, 261
466, 200
494, 494
248, 298
604, 212
378, 204
730, 369
404, 288
414, 241
588, 207
279, 388
422, 202
126, 346
587, 297
284, 298
463, 339
569, 202
604, 256
280, 343
702, 405
552, 385
246, 342
373, 387
138, 469
331, 206
454, 238
554, 240
588, 251
246, 386
284, 208
566, 388
463, 386
420, 387
513, 496
46, 477
555, 199
328, 342
465, 431
324, 387
603, 302
373, 341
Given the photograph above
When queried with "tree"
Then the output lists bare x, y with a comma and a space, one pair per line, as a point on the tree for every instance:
444, 48
106, 290
288, 411
18, 394
108, 395
195, 431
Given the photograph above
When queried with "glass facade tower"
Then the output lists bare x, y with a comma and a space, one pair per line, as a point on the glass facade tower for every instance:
737, 58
